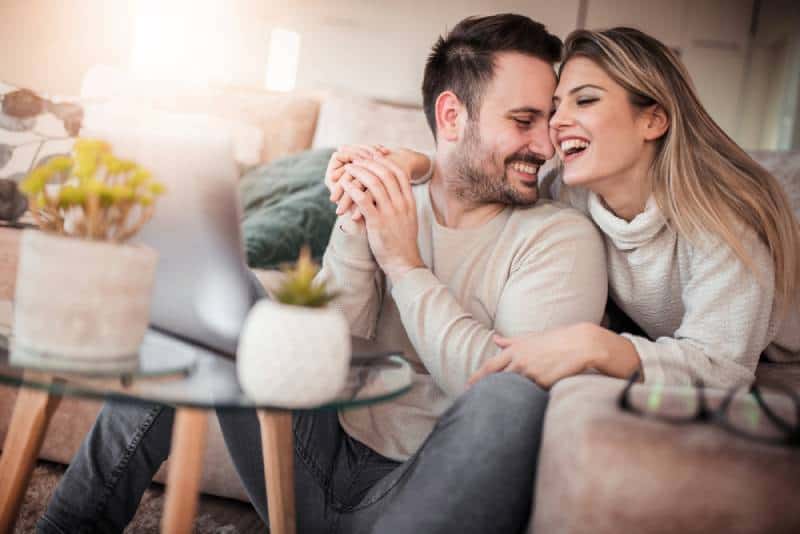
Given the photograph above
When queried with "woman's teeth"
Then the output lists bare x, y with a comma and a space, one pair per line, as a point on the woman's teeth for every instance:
526, 168
570, 146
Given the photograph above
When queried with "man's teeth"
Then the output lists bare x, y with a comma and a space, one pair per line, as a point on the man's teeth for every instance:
573, 144
526, 168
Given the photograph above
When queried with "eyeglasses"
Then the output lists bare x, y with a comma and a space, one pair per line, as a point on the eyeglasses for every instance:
768, 415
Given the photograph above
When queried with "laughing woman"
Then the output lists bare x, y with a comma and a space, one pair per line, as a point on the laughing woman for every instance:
703, 249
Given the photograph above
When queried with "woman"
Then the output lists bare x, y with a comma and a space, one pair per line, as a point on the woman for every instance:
703, 249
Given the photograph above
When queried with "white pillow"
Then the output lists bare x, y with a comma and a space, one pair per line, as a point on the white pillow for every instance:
359, 120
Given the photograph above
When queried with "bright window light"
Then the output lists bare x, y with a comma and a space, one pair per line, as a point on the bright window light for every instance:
284, 53
181, 40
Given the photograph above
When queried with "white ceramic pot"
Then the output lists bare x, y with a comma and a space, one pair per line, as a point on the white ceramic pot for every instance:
293, 356
81, 299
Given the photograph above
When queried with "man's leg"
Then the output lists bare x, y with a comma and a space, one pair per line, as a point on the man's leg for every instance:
476, 471
115, 464
332, 471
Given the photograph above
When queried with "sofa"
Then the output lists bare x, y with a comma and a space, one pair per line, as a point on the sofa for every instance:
601, 470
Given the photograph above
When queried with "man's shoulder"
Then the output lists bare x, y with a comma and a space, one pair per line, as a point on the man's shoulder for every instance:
550, 214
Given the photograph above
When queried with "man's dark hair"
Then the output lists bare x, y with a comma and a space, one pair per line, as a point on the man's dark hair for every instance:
463, 60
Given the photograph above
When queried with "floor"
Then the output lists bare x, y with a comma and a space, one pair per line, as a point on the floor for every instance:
214, 516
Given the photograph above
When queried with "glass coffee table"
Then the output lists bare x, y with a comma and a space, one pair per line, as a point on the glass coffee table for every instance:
191, 379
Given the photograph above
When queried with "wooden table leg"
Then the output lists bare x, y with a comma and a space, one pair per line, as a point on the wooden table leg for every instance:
32, 412
185, 469
277, 444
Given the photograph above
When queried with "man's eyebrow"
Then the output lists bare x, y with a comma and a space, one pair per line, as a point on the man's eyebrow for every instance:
526, 109
584, 86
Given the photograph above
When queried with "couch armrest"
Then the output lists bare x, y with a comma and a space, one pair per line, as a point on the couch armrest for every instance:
605, 471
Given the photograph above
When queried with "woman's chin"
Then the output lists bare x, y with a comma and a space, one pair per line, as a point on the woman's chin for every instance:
575, 178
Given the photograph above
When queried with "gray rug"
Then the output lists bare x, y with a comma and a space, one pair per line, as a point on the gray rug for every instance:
214, 515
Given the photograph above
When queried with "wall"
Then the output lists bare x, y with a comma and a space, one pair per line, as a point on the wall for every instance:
378, 47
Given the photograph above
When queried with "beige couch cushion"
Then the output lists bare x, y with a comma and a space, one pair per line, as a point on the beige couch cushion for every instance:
605, 471
349, 119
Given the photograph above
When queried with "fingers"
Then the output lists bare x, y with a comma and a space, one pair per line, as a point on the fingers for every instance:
494, 364
402, 179
374, 184
501, 341
362, 199
390, 180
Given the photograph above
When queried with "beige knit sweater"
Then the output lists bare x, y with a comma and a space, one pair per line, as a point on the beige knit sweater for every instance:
525, 270
710, 316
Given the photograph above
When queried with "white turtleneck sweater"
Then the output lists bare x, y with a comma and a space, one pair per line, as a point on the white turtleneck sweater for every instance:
710, 317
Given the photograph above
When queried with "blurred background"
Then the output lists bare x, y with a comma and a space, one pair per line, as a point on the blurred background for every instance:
744, 55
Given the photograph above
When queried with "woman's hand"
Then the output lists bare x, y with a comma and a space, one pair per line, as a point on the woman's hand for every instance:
549, 356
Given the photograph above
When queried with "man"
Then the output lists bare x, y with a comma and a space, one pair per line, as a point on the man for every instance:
436, 269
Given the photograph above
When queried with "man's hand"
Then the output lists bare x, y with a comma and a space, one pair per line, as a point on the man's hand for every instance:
336, 175
390, 212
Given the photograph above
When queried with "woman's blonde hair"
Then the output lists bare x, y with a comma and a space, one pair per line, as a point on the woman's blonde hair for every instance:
702, 180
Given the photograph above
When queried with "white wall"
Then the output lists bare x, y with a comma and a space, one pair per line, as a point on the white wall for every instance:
378, 47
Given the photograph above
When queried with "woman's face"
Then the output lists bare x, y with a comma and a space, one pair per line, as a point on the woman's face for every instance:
597, 132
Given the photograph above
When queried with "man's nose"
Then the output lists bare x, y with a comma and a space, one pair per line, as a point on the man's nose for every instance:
540, 142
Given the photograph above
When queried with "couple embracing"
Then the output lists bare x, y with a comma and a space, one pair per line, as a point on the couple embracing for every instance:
495, 294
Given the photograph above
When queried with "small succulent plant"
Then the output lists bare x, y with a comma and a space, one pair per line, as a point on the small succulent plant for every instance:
91, 194
299, 288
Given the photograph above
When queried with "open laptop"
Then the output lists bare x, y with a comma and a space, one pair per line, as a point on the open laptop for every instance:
203, 290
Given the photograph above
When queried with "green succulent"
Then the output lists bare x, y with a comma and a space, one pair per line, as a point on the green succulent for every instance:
299, 287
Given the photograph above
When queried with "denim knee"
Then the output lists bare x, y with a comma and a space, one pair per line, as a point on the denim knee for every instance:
504, 403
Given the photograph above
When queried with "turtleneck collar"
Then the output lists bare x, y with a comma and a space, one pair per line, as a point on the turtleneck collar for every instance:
627, 235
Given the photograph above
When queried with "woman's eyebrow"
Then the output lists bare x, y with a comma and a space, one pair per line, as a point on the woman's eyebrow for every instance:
584, 86
574, 90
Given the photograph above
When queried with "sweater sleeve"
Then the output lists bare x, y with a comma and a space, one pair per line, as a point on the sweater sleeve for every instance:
349, 268
559, 279
726, 322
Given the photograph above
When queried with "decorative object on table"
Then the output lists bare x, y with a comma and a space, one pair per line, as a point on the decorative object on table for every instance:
82, 293
295, 352
12, 202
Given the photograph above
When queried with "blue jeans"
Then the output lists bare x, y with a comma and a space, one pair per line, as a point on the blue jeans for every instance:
474, 473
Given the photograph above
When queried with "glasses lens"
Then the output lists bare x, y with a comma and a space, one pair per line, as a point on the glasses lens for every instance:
769, 414
677, 403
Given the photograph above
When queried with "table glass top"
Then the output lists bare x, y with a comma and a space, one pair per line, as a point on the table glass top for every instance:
171, 371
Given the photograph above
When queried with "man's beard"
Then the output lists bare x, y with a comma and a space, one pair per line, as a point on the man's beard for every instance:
473, 183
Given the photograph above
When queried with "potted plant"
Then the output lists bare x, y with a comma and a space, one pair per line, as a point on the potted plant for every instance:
81, 292
295, 351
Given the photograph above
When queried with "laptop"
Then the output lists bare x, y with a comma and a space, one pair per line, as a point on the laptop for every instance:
203, 289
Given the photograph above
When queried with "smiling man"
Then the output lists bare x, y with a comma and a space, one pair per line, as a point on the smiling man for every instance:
439, 269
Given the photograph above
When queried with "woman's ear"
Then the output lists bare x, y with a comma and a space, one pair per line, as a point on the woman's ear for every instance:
656, 122
450, 113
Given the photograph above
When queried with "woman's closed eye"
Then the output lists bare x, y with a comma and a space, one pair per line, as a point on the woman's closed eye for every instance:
585, 101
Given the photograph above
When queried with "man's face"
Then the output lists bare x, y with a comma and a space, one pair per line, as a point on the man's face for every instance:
499, 154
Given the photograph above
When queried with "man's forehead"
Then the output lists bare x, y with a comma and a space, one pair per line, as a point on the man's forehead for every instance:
520, 81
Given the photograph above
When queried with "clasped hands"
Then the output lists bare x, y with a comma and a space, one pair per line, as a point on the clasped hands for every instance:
376, 192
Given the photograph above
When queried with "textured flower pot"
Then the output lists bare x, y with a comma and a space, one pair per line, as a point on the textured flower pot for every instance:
83, 300
292, 356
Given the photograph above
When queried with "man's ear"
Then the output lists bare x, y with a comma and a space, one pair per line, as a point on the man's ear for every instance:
656, 122
450, 115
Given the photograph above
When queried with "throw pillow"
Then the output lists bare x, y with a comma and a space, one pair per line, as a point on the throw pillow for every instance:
285, 206
358, 120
